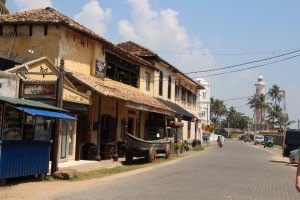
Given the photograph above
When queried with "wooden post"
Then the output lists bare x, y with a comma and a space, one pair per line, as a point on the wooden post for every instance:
115, 156
59, 104
98, 157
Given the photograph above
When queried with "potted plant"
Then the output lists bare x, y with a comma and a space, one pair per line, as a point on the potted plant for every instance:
177, 146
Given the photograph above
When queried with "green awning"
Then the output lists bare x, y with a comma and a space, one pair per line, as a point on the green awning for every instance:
30, 103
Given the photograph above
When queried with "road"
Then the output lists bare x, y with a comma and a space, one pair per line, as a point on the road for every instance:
237, 171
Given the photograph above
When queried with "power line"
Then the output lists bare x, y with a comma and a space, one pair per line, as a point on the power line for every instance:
237, 98
233, 66
251, 67
226, 54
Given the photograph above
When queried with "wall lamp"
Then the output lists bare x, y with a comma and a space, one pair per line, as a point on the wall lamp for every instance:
31, 50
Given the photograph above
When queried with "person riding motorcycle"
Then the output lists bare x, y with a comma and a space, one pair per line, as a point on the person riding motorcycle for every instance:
221, 140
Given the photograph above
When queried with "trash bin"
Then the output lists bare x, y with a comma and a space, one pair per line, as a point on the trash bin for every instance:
196, 142
89, 151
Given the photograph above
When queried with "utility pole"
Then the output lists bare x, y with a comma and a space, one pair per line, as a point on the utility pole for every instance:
59, 104
284, 108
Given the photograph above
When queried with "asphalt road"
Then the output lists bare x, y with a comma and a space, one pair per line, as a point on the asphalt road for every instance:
237, 171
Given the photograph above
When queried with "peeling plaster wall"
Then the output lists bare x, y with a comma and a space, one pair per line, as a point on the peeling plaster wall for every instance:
8, 84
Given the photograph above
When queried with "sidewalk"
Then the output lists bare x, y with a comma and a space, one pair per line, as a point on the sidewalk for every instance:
88, 165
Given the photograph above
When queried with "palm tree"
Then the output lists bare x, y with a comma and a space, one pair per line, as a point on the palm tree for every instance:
274, 113
251, 102
275, 94
232, 116
259, 103
218, 109
3, 9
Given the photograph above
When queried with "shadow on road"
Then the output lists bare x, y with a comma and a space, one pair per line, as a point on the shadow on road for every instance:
284, 162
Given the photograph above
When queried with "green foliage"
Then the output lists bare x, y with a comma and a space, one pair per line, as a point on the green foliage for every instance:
198, 148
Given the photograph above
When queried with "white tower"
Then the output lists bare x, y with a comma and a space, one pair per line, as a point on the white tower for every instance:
260, 89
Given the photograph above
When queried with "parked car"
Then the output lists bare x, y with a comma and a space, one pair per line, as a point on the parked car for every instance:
291, 142
259, 139
247, 138
294, 157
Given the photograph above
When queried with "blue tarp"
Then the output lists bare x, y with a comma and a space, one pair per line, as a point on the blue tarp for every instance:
47, 113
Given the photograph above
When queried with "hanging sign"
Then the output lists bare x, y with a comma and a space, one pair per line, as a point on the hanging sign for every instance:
100, 68
38, 89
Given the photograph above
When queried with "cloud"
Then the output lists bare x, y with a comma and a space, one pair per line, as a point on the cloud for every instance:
161, 32
93, 17
33, 4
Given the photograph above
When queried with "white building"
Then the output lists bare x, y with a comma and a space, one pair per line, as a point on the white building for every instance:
203, 101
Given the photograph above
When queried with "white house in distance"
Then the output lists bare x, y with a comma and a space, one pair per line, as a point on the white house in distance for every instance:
203, 101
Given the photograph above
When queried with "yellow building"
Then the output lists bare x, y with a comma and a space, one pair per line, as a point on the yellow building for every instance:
173, 88
102, 87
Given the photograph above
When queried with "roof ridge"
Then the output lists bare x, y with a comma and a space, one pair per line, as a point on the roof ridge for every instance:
142, 47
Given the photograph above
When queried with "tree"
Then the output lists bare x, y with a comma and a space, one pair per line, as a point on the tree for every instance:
274, 113
275, 94
218, 109
259, 103
232, 116
3, 9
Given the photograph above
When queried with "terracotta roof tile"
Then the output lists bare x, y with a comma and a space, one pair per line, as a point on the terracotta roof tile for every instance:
51, 16
114, 89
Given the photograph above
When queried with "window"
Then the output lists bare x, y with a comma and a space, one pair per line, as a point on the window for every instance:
121, 70
30, 30
203, 114
1, 30
15, 30
189, 97
204, 95
45, 30
194, 99
12, 124
160, 91
183, 94
147, 81
177, 91
169, 87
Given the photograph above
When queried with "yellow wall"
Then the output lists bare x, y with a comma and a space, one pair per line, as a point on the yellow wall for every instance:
16, 47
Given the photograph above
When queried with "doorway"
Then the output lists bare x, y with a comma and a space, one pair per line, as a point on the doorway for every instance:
130, 126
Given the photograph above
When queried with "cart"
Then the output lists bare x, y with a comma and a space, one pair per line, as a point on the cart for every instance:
269, 142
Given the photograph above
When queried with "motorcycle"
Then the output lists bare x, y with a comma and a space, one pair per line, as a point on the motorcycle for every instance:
220, 144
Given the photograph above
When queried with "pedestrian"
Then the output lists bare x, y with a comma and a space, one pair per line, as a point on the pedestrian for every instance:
298, 174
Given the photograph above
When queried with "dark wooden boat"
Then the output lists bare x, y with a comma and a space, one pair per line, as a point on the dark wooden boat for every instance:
137, 147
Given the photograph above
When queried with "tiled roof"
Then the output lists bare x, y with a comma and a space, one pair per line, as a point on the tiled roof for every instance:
50, 16
114, 89
136, 49
145, 53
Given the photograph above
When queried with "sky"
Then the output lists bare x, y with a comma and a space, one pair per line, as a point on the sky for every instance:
241, 39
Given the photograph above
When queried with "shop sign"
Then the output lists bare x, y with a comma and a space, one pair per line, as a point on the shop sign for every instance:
175, 124
39, 89
100, 68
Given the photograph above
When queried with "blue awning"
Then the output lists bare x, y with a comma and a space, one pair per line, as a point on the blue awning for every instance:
46, 113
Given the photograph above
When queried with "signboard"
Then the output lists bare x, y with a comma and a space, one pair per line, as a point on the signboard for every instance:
100, 68
38, 89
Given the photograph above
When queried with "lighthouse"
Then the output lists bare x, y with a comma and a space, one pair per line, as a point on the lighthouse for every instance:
260, 89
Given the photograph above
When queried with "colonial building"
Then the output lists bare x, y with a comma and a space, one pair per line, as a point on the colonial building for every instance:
173, 88
203, 101
103, 85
